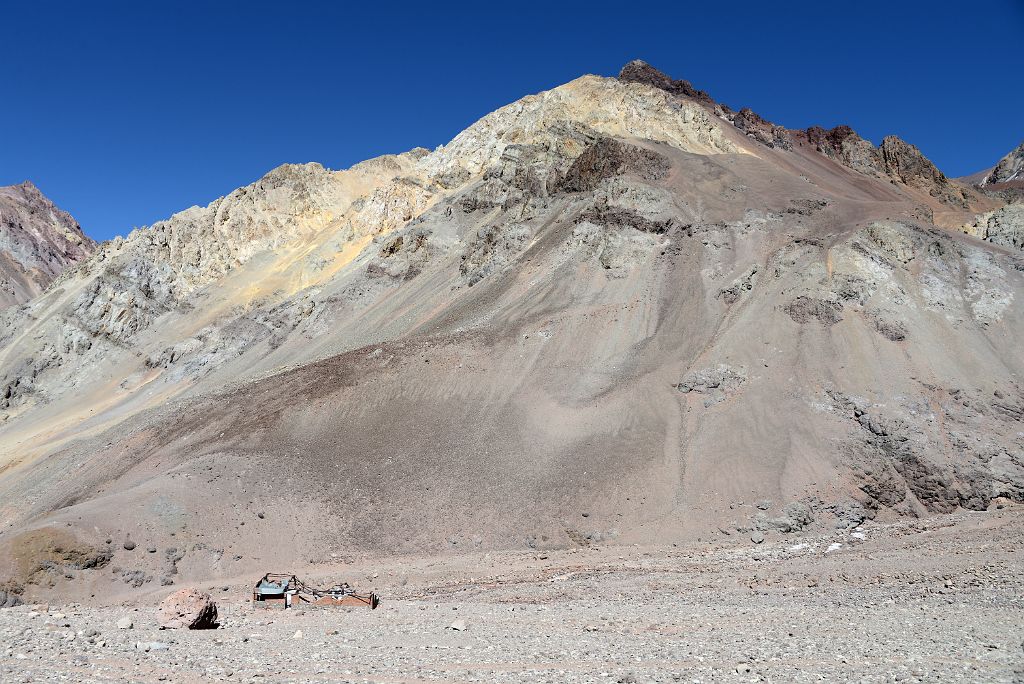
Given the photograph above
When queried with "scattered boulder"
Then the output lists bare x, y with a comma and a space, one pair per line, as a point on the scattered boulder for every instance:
129, 545
125, 623
135, 578
10, 594
188, 609
459, 625
742, 285
757, 537
796, 516
9, 599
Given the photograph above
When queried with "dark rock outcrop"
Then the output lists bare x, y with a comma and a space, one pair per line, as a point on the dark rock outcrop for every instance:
608, 158
895, 159
760, 129
905, 163
803, 309
846, 147
639, 71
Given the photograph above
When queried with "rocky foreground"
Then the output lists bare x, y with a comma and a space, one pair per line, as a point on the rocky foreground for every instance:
935, 599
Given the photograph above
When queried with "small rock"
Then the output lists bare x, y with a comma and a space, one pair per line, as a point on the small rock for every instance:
459, 625
151, 549
756, 537
125, 623
297, 635
129, 545
743, 668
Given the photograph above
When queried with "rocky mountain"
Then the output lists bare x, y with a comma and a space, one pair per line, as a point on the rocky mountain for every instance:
614, 311
37, 242
1010, 168
895, 159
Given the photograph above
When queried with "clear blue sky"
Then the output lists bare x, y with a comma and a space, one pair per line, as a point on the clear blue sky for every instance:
124, 113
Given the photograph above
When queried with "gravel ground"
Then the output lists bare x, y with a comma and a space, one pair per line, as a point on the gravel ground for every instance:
924, 600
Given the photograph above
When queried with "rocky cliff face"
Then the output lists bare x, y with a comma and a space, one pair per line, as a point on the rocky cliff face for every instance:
1003, 226
1009, 169
746, 120
37, 242
602, 313
894, 159
904, 163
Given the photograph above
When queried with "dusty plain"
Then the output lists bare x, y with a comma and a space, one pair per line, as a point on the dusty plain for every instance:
934, 600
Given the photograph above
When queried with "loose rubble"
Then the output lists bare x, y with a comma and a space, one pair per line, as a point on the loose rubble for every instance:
914, 600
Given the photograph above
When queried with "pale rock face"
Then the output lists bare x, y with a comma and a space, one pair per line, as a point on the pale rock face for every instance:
598, 106
1003, 226
37, 242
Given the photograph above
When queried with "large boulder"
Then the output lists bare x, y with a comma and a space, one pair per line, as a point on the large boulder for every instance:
188, 609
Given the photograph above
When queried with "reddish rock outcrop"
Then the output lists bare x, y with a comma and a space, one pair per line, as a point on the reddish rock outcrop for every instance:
639, 71
747, 120
894, 158
37, 242
905, 163
188, 609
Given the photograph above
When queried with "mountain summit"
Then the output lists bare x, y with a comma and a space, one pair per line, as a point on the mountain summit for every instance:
615, 311
1010, 168
37, 242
